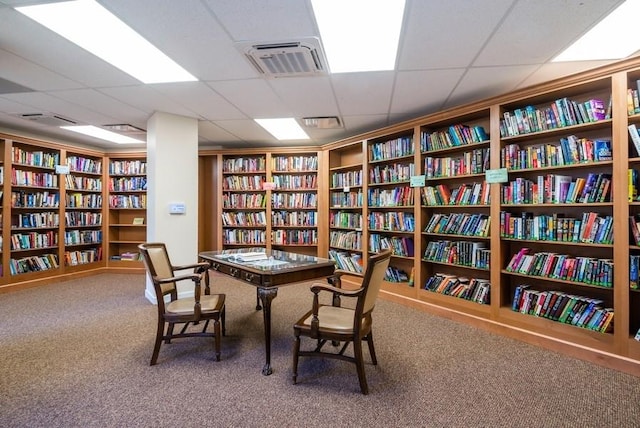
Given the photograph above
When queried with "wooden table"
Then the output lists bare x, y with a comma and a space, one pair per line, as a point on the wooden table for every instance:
278, 269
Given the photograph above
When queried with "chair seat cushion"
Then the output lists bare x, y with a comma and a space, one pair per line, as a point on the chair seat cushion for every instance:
208, 303
333, 318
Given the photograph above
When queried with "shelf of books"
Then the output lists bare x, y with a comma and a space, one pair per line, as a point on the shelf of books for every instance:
83, 226
34, 244
346, 202
245, 211
390, 207
294, 202
556, 213
127, 209
455, 213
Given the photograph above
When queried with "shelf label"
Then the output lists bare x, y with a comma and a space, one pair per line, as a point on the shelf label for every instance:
496, 175
345, 189
268, 185
62, 169
417, 181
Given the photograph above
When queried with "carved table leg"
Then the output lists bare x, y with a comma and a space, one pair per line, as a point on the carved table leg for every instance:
266, 296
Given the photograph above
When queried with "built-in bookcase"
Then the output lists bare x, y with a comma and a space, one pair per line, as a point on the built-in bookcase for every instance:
127, 177
244, 201
83, 222
294, 202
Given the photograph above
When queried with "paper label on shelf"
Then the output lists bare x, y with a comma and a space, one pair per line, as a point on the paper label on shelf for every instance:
417, 181
496, 175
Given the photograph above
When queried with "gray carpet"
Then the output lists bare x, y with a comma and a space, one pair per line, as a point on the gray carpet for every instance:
76, 354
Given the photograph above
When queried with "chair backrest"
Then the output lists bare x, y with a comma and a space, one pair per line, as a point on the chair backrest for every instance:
372, 281
158, 265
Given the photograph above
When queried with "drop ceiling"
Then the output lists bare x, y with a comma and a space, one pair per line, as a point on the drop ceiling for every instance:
451, 53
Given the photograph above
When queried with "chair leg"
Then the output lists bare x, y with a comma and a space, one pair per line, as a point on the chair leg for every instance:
224, 316
372, 350
296, 351
357, 352
169, 333
216, 329
156, 347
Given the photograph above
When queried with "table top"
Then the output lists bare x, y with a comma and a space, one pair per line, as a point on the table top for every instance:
266, 261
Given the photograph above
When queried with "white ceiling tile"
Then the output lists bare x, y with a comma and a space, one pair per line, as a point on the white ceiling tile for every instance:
147, 99
255, 98
350, 88
554, 70
420, 92
93, 100
201, 99
34, 76
212, 132
308, 96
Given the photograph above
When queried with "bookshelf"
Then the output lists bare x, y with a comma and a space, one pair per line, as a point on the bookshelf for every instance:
455, 212
34, 241
83, 221
127, 209
244, 201
294, 202
346, 201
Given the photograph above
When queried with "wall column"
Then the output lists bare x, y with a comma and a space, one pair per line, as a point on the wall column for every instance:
172, 172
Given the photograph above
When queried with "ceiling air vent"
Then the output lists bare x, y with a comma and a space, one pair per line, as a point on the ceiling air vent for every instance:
287, 59
48, 119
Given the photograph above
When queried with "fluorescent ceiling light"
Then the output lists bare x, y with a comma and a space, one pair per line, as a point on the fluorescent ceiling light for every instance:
611, 38
359, 35
94, 28
283, 129
103, 134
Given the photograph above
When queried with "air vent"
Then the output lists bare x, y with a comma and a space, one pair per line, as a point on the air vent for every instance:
48, 119
286, 59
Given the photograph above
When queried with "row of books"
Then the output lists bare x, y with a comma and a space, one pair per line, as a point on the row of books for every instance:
82, 164
294, 218
400, 245
127, 167
243, 182
244, 200
241, 218
472, 162
393, 173
22, 199
351, 262
127, 256
546, 264
590, 228
81, 257
351, 240
454, 136
560, 113
477, 193
400, 196
294, 163
33, 240
474, 289
345, 219
460, 253
558, 189
128, 201
392, 221
244, 164
571, 151
394, 274
295, 236
349, 199
634, 271
75, 182
33, 179
82, 218
33, 220
77, 237
295, 182
128, 184
398, 147
33, 264
459, 224
294, 200
346, 179
35, 158
244, 237
83, 200
558, 306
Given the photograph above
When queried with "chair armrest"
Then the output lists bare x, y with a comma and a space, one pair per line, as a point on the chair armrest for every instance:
197, 279
317, 288
197, 267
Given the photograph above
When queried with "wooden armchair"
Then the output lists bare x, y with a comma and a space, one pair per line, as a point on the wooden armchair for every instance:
338, 324
188, 310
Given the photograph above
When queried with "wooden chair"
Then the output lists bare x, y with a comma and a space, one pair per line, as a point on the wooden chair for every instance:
333, 323
188, 310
